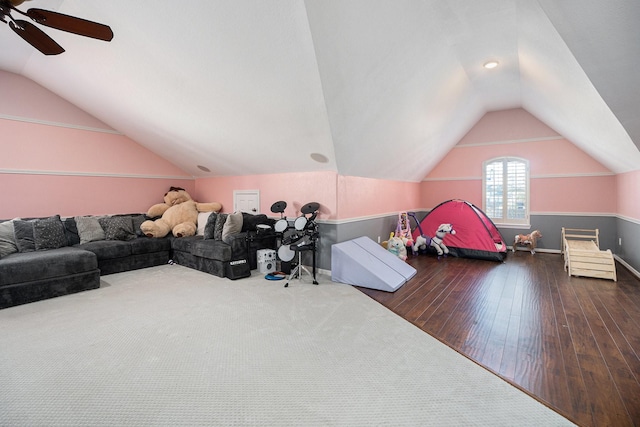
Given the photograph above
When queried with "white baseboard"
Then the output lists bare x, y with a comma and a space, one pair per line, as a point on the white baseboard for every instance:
627, 266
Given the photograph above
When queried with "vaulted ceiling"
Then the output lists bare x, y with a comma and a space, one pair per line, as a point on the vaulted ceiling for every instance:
371, 88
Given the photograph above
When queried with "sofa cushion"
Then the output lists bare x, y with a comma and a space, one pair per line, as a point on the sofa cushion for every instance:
203, 218
219, 226
233, 225
7, 239
23, 232
210, 226
211, 249
147, 245
71, 231
183, 244
108, 249
89, 229
137, 222
31, 266
48, 233
117, 227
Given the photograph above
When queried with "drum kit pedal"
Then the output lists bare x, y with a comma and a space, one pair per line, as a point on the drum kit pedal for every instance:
303, 238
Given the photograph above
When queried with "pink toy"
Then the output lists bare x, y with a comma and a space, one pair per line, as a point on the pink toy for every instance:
403, 229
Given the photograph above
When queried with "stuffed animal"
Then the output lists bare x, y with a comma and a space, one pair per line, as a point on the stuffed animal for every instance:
179, 214
421, 243
396, 246
385, 244
530, 240
437, 242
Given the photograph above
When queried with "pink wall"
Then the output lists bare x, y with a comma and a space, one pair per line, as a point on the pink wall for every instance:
22, 98
45, 195
432, 193
43, 148
361, 197
57, 159
628, 201
507, 125
340, 197
564, 179
590, 194
547, 157
297, 189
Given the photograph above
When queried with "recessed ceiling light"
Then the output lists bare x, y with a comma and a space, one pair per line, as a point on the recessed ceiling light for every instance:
204, 168
491, 64
320, 158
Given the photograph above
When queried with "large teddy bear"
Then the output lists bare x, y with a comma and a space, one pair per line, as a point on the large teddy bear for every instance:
179, 215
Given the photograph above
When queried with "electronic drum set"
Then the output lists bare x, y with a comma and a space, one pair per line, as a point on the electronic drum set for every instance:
297, 236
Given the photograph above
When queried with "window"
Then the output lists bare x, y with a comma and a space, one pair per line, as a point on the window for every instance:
506, 190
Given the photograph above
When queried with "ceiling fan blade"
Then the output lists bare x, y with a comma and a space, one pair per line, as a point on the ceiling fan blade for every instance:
36, 37
71, 24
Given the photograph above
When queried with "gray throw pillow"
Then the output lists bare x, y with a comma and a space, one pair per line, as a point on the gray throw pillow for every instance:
7, 239
71, 231
49, 233
23, 232
89, 229
117, 227
209, 228
217, 229
233, 225
137, 222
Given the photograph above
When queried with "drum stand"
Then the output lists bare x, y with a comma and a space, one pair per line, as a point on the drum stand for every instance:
298, 270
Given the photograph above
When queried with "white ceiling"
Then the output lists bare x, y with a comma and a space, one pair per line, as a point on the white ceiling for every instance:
381, 89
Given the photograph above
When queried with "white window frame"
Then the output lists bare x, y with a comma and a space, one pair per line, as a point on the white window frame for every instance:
504, 221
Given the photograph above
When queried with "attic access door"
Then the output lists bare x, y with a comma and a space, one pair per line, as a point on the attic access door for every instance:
246, 201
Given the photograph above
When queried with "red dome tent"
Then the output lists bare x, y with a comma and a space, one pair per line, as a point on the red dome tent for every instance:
476, 235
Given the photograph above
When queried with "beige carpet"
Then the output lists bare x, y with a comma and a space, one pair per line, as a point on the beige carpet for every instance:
173, 346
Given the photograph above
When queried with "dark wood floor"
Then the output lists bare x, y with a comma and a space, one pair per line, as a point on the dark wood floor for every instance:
572, 343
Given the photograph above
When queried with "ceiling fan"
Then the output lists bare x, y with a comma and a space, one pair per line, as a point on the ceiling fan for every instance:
38, 38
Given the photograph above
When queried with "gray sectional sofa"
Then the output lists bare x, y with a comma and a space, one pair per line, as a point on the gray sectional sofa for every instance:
43, 258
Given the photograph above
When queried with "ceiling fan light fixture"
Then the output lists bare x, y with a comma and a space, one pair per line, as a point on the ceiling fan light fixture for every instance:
37, 38
489, 65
